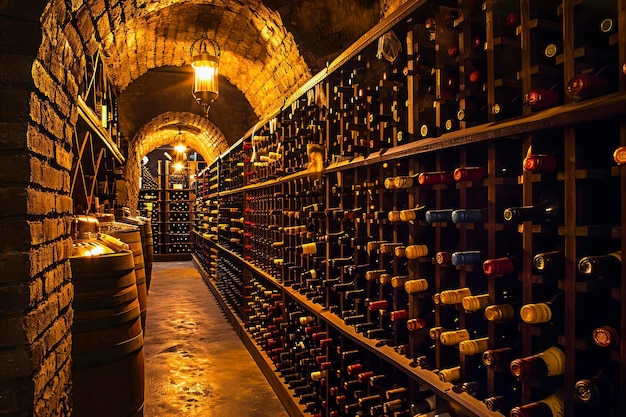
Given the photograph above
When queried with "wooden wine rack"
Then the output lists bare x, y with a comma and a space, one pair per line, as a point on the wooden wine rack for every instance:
365, 120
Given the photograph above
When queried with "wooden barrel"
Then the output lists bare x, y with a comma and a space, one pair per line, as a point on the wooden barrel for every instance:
148, 248
145, 229
132, 237
107, 338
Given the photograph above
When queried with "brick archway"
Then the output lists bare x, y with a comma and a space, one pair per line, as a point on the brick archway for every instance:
199, 133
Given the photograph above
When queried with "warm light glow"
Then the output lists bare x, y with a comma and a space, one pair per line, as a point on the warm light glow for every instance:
205, 88
180, 148
178, 166
205, 57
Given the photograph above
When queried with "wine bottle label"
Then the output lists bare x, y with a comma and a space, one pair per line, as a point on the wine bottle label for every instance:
309, 248
555, 402
554, 358
454, 296
304, 320
416, 251
536, 313
454, 337
450, 374
475, 302
499, 313
415, 285
474, 347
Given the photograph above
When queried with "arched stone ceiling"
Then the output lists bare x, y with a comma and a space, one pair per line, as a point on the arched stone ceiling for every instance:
258, 55
197, 133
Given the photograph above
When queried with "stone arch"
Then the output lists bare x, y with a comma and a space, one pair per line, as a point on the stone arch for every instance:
199, 133
258, 55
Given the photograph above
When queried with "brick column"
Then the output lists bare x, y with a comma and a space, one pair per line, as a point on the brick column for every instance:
37, 115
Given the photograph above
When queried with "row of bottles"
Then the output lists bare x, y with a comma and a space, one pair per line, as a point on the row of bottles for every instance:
395, 229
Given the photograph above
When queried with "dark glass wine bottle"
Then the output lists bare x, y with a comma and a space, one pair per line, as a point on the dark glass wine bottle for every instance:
608, 265
546, 211
551, 406
550, 362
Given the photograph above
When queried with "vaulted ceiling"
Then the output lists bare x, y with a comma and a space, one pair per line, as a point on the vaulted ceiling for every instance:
268, 49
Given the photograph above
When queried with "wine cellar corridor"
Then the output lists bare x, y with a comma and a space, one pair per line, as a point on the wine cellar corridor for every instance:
388, 208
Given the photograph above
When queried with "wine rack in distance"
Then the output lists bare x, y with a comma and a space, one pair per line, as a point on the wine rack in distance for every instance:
446, 218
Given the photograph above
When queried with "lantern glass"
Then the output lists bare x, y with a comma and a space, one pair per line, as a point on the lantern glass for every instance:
205, 88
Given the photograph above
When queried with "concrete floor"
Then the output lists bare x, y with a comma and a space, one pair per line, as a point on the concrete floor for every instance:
195, 364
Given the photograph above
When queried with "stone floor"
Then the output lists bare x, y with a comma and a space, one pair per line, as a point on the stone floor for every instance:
196, 365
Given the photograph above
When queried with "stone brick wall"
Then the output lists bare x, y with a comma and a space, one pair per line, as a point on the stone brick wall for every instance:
37, 113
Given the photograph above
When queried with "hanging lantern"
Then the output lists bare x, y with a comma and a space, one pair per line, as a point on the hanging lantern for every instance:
205, 59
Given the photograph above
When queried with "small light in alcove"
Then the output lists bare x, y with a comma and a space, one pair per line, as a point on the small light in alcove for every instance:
178, 166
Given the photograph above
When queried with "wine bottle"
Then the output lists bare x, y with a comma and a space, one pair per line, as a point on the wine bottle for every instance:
551, 311
311, 248
545, 211
552, 49
501, 266
438, 177
469, 174
550, 362
551, 406
450, 374
539, 163
583, 86
597, 391
468, 216
436, 216
415, 251
405, 181
415, 285
538, 99
545, 262
605, 336
499, 359
466, 258
454, 296
474, 346
475, 302
608, 265
619, 155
